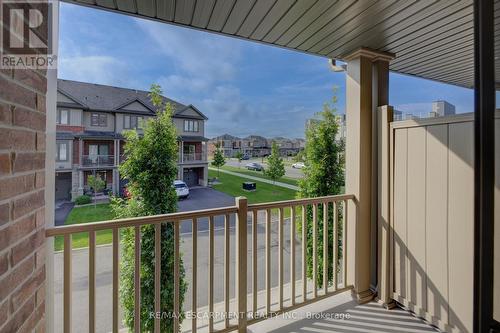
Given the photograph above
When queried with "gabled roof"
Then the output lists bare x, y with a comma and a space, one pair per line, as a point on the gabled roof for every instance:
98, 97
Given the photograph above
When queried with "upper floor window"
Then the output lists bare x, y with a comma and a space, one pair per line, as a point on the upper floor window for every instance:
130, 122
62, 152
62, 117
98, 119
191, 126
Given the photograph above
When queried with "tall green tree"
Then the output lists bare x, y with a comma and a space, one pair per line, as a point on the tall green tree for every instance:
275, 165
219, 160
323, 175
150, 168
239, 156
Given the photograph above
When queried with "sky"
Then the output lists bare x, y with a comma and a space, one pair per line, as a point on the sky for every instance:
242, 87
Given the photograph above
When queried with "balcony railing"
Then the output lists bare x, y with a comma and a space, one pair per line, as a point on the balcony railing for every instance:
247, 219
194, 157
98, 160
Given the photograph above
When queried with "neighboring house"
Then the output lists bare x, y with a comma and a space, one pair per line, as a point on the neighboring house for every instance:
91, 119
228, 144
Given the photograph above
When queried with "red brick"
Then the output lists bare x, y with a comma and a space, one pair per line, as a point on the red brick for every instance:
4, 264
28, 203
17, 139
40, 257
28, 161
40, 103
17, 94
15, 277
40, 218
4, 311
4, 164
27, 246
29, 119
14, 232
28, 288
32, 79
34, 319
40, 179
5, 114
40, 141
10, 187
40, 294
20, 317
41, 326
4, 213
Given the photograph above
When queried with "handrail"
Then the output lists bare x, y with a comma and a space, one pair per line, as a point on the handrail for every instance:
298, 202
137, 221
334, 280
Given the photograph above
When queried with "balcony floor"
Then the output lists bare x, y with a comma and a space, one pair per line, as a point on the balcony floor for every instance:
369, 318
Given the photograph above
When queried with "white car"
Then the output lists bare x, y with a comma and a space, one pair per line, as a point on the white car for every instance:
298, 165
181, 189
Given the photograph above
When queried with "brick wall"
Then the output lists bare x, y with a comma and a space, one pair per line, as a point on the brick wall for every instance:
22, 183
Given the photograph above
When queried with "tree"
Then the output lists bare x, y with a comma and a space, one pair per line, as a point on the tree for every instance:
239, 156
219, 160
97, 184
323, 175
150, 168
275, 166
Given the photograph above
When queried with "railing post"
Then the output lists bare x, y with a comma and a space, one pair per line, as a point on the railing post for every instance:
241, 262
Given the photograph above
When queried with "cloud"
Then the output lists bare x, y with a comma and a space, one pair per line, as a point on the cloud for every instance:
94, 68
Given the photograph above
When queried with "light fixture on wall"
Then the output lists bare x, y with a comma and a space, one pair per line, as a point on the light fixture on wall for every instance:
337, 67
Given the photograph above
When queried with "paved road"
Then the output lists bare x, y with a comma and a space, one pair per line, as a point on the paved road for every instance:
263, 180
289, 171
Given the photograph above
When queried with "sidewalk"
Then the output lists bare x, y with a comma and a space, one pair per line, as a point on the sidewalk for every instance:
263, 180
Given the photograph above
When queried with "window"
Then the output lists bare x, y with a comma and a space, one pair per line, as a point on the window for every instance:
62, 152
191, 126
62, 117
132, 122
100, 120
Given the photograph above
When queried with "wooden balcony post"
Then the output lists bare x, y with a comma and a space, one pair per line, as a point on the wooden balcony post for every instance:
241, 263
385, 117
366, 87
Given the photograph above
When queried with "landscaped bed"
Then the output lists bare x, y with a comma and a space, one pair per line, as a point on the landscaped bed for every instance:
85, 214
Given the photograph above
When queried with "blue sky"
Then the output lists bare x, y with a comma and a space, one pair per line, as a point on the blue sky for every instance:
243, 87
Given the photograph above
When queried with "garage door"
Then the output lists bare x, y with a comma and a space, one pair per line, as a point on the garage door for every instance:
63, 186
190, 177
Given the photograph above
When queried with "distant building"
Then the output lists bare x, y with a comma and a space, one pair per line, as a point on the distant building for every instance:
442, 108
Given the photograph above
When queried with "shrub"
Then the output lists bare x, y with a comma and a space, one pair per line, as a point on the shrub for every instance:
83, 200
150, 168
323, 175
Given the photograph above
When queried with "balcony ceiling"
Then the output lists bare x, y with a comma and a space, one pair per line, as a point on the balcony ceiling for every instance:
431, 39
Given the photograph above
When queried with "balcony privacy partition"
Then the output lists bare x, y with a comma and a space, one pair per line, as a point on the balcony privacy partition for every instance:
334, 281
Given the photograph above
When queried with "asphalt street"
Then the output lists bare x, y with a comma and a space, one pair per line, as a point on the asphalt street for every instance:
289, 171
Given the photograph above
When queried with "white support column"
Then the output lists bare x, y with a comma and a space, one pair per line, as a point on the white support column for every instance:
364, 91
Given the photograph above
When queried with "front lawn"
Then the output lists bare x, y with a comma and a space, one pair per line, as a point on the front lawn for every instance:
101, 212
265, 192
260, 174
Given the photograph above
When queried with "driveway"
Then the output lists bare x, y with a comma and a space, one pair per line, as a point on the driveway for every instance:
204, 198
62, 211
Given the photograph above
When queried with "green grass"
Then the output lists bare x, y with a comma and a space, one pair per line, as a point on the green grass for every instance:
87, 214
265, 192
260, 174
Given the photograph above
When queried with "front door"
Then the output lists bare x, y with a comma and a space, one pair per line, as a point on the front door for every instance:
190, 177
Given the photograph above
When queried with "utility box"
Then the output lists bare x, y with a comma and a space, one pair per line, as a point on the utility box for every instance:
249, 186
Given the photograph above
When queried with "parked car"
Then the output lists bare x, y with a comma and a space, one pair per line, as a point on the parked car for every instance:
254, 166
181, 189
298, 165
245, 157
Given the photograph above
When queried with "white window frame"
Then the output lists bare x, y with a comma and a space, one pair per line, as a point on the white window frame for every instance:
59, 117
191, 125
102, 119
59, 146
134, 122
